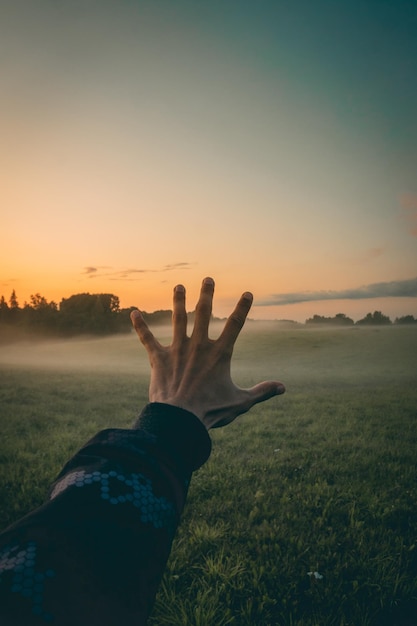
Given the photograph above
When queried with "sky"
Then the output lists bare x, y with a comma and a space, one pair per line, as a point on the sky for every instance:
269, 144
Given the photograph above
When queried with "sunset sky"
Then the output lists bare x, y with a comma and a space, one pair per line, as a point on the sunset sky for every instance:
269, 144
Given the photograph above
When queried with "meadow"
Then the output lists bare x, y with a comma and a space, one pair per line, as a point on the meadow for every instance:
306, 512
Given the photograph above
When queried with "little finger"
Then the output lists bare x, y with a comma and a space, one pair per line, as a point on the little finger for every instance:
143, 332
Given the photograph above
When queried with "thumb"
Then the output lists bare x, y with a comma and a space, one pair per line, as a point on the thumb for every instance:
265, 390
253, 395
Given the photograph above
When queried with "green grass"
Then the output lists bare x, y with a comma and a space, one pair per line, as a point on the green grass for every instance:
322, 479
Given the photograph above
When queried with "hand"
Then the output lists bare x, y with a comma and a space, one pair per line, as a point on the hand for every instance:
193, 373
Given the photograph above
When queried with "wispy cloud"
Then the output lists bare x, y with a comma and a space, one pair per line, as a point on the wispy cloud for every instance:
408, 203
112, 273
368, 256
393, 289
374, 253
91, 271
9, 281
176, 266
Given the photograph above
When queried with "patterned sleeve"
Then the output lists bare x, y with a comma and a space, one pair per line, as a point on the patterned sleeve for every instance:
95, 552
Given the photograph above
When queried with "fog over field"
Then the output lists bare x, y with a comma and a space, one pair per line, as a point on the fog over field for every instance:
120, 353
264, 350
123, 352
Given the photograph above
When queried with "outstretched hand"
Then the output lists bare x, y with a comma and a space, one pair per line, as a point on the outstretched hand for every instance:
193, 373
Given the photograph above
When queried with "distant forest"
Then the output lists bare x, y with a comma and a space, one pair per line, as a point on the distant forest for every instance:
100, 314
80, 314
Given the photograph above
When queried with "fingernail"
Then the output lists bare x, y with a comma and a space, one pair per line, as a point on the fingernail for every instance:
248, 295
208, 281
280, 389
180, 288
135, 314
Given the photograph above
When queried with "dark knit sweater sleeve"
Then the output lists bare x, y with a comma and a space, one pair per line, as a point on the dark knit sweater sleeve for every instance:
95, 552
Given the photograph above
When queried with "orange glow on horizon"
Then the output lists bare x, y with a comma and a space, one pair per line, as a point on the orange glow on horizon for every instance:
150, 295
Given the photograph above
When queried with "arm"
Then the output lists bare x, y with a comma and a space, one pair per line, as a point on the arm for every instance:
96, 551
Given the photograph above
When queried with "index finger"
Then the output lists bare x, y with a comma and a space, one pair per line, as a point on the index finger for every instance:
235, 322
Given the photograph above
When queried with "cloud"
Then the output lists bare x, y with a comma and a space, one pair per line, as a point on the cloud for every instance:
176, 266
408, 203
129, 273
9, 281
368, 255
374, 253
104, 271
92, 271
393, 289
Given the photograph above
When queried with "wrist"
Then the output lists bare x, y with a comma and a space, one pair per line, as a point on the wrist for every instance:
179, 430
179, 402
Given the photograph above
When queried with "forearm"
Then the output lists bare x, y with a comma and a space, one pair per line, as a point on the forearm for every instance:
96, 551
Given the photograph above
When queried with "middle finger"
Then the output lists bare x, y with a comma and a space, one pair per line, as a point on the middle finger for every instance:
203, 310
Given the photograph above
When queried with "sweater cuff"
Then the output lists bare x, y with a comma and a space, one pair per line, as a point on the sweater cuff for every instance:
177, 429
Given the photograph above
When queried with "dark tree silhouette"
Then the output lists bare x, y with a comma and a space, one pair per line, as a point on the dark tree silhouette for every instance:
39, 303
4, 310
3, 304
376, 318
340, 319
13, 300
89, 313
40, 316
406, 319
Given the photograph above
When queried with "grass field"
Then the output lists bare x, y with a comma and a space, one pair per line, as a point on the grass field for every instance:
306, 512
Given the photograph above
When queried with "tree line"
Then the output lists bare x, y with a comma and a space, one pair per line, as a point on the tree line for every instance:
371, 319
101, 314
83, 313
